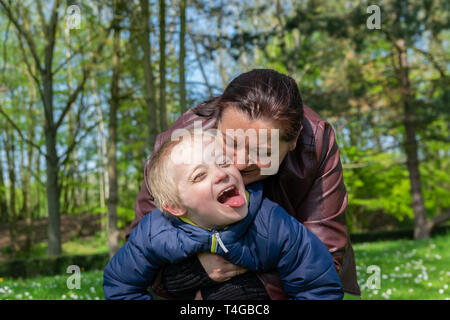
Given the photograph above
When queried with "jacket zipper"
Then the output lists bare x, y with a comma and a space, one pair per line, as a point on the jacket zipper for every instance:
216, 239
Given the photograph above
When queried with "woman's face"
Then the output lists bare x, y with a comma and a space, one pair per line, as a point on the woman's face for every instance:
237, 122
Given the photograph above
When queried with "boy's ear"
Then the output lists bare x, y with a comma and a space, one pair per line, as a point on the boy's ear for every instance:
174, 209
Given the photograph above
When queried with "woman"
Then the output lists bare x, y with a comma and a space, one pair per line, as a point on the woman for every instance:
308, 184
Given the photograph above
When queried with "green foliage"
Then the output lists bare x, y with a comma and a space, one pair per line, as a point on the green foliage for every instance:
125, 216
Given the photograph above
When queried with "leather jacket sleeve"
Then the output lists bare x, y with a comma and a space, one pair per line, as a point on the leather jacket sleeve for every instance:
326, 203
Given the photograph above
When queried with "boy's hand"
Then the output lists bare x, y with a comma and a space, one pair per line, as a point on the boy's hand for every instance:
219, 269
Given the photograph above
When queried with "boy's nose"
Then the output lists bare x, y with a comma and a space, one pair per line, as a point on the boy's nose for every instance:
220, 175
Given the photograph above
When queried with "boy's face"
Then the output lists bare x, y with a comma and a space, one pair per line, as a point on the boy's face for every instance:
212, 193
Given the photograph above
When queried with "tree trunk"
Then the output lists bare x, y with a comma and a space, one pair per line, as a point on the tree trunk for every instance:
411, 147
182, 56
149, 89
113, 232
72, 167
3, 203
12, 217
162, 66
53, 189
37, 207
101, 152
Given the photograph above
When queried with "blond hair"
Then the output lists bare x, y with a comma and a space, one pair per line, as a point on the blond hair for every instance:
159, 177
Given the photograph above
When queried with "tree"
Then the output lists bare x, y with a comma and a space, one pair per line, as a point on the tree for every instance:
113, 232
182, 56
43, 73
162, 66
149, 88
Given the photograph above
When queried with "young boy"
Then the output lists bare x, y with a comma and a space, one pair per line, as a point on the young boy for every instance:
206, 208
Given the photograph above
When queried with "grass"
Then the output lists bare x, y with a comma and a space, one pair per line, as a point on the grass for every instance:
409, 270
53, 288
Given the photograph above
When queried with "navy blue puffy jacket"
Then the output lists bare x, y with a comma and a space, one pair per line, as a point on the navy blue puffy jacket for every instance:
267, 238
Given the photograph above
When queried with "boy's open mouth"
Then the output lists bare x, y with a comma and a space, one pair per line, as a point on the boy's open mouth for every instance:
231, 197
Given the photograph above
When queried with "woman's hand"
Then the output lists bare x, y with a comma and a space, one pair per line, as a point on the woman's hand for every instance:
217, 268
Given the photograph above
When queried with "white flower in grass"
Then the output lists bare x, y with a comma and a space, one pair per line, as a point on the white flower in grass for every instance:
441, 291
430, 284
410, 290
19, 296
63, 296
397, 269
445, 286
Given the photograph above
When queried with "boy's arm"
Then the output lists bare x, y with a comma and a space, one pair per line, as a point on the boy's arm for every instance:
305, 265
130, 272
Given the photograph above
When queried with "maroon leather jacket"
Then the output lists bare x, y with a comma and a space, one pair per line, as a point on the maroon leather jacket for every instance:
309, 185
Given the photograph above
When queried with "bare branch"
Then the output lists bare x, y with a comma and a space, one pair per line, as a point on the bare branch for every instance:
22, 136
73, 97
86, 73
197, 54
433, 61
438, 220
24, 33
66, 154
27, 63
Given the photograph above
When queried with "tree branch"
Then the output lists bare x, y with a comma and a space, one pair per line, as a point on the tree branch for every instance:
433, 61
24, 33
438, 220
86, 74
72, 98
22, 136
69, 150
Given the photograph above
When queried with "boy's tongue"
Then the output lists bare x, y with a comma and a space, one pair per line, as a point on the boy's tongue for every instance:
232, 198
234, 201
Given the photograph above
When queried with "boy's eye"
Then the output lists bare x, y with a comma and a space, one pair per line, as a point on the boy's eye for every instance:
198, 177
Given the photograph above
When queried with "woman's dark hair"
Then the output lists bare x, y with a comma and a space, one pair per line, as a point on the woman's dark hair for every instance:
261, 94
